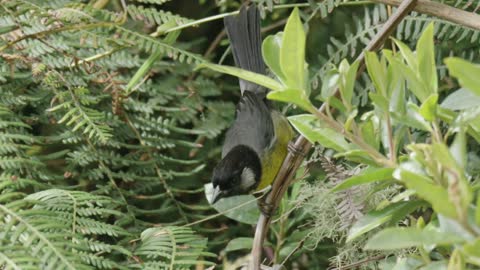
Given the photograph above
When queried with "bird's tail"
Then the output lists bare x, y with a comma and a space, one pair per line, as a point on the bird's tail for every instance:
245, 38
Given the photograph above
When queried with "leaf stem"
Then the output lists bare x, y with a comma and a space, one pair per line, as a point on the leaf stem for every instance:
391, 143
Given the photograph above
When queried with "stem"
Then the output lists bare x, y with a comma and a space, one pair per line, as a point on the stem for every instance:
223, 15
57, 30
100, 4
391, 143
355, 265
455, 15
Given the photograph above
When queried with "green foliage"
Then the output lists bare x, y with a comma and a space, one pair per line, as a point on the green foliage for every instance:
107, 137
170, 248
87, 166
421, 146
424, 149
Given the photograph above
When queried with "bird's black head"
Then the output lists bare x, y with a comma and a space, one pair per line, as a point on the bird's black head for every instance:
237, 173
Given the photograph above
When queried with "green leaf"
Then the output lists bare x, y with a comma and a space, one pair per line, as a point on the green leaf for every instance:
407, 54
294, 96
369, 129
460, 189
465, 72
435, 265
358, 156
8, 28
415, 118
429, 108
376, 72
458, 149
412, 118
457, 262
367, 176
311, 128
245, 74
398, 238
454, 226
392, 213
380, 101
348, 75
239, 244
292, 54
242, 208
426, 60
271, 48
416, 85
329, 84
395, 86
424, 187
461, 99
472, 251
477, 211
148, 64
398, 103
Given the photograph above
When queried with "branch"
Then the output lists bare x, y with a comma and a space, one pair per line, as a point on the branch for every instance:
357, 264
442, 11
292, 162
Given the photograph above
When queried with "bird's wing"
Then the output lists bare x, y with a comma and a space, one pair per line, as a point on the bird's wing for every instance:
253, 125
245, 38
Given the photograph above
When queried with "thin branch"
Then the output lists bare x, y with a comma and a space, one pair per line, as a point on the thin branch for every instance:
223, 15
292, 162
57, 30
442, 11
357, 264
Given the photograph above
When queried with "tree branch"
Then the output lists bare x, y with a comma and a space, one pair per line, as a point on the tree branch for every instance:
442, 11
292, 162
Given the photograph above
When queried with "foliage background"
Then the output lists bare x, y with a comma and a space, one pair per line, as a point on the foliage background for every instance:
108, 135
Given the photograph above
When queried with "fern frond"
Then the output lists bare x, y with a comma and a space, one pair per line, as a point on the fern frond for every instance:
171, 248
151, 45
57, 232
155, 16
90, 121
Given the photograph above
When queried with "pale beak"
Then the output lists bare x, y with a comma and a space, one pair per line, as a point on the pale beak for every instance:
216, 194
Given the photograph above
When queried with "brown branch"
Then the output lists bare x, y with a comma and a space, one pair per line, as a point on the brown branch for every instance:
292, 162
442, 11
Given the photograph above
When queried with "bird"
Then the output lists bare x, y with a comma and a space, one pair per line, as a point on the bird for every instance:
257, 142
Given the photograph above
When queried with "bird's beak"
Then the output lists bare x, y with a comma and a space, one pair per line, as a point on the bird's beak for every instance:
217, 194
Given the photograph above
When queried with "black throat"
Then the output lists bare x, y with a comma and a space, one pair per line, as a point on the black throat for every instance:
232, 165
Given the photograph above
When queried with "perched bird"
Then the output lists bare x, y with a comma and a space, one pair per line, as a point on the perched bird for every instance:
256, 144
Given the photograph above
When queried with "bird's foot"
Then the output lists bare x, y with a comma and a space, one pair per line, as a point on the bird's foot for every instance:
266, 208
293, 149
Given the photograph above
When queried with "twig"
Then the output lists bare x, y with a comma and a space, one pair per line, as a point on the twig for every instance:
292, 162
356, 264
442, 11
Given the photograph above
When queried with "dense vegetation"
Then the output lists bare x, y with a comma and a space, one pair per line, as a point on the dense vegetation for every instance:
108, 135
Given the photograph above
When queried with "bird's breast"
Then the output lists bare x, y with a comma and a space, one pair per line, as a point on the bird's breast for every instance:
273, 157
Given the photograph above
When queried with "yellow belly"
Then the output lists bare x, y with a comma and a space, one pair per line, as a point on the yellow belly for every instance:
273, 158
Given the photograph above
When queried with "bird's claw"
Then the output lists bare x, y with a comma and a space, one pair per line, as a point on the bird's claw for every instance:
265, 208
293, 149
